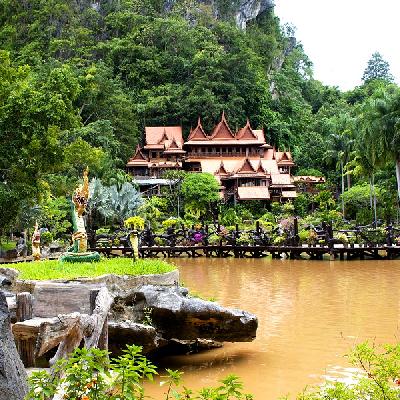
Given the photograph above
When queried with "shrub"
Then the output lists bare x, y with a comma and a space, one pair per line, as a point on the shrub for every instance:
279, 240
102, 231
378, 376
171, 222
89, 374
134, 222
46, 238
214, 239
303, 235
342, 237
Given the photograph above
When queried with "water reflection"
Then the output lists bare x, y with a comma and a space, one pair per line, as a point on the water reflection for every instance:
310, 314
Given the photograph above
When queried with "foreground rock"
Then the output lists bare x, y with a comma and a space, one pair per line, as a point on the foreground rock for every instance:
176, 315
13, 377
152, 311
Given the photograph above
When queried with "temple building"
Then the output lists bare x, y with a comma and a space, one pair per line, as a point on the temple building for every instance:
245, 165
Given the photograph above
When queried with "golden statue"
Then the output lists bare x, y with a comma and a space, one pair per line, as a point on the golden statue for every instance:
36, 243
78, 252
80, 200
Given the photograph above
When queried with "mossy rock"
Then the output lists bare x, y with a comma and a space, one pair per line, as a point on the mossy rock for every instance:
92, 256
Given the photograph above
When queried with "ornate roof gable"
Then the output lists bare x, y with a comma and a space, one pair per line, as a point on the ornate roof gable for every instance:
260, 169
222, 130
198, 132
138, 155
164, 137
173, 145
246, 133
246, 167
222, 170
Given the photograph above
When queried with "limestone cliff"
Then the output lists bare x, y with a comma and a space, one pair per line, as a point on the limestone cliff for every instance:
241, 10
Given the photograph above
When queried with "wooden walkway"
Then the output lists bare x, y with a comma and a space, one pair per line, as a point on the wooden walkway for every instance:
339, 252
291, 252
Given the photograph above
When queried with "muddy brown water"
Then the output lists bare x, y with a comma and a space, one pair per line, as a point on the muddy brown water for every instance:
310, 314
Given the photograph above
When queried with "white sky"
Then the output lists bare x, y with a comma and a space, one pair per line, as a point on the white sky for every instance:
340, 36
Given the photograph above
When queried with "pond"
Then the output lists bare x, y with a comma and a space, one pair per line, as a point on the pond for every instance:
310, 314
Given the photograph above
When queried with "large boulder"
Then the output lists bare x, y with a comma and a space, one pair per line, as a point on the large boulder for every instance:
13, 378
175, 314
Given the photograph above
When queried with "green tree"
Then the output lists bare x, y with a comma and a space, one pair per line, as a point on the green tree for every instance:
377, 68
200, 191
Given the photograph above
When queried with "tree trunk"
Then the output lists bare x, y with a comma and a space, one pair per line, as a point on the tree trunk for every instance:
374, 197
371, 204
398, 176
341, 168
348, 181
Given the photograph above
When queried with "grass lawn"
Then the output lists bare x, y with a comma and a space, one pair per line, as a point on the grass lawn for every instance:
7, 245
53, 269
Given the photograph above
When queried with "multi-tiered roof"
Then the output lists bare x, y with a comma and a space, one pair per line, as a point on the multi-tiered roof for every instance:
242, 161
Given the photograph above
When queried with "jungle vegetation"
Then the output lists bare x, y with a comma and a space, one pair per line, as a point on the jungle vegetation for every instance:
80, 80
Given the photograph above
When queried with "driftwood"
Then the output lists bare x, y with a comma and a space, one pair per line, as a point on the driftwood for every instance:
66, 331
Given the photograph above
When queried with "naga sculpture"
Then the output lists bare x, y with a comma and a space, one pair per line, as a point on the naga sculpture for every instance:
78, 252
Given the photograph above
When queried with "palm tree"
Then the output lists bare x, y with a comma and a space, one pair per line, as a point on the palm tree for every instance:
381, 119
340, 146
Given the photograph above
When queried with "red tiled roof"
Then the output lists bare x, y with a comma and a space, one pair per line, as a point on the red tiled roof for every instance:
198, 132
284, 158
222, 131
246, 133
222, 170
156, 134
173, 148
138, 158
246, 167
280, 179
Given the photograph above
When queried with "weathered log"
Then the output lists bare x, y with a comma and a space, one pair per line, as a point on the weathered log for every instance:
13, 378
98, 320
69, 330
25, 346
24, 306
53, 331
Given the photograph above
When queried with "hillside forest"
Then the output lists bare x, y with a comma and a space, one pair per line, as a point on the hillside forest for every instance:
79, 81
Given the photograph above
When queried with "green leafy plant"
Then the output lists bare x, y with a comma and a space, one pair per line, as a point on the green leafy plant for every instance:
378, 378
243, 239
171, 222
342, 237
46, 238
89, 374
303, 235
102, 231
214, 239
279, 240
134, 222
147, 320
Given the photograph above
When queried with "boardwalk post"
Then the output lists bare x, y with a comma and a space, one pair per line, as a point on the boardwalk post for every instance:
389, 235
296, 237
26, 347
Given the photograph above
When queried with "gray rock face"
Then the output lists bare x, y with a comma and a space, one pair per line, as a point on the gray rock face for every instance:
127, 332
242, 10
13, 378
175, 315
250, 9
